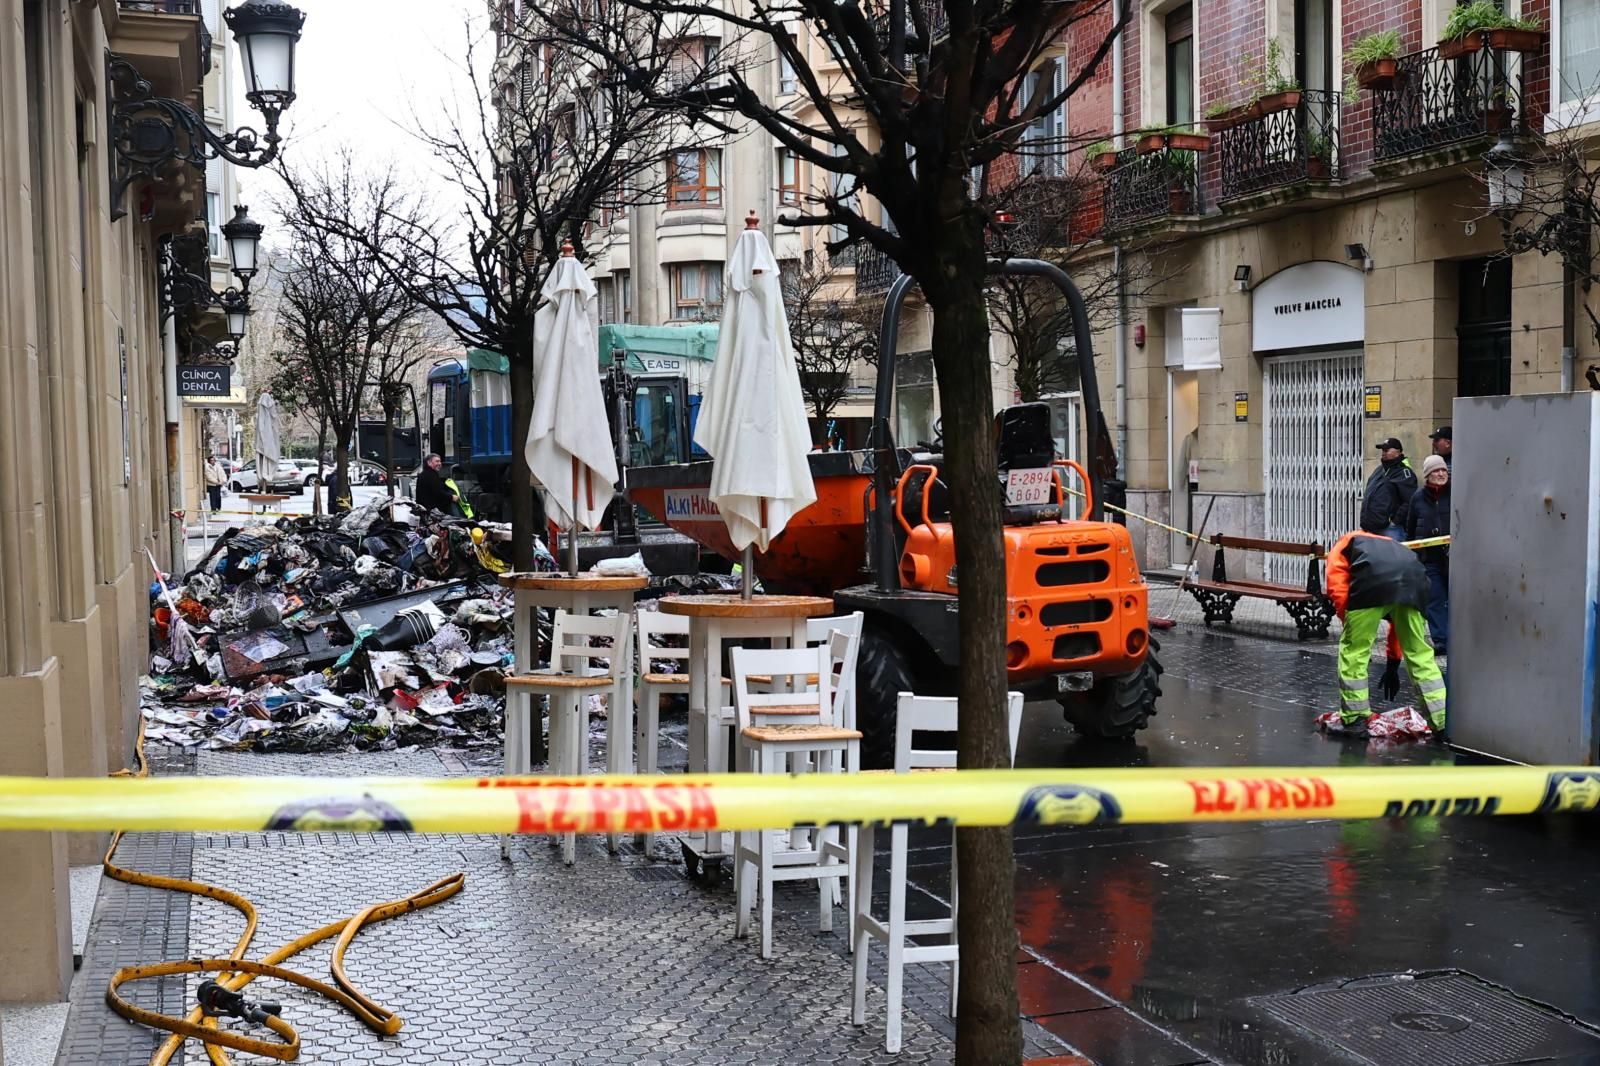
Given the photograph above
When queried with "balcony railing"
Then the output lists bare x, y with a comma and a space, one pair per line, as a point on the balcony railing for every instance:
1437, 102
934, 17
1141, 188
875, 272
1283, 148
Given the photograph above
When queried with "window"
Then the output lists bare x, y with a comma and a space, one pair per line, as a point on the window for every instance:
691, 57
787, 82
1044, 142
696, 290
624, 288
606, 293
1578, 38
694, 177
1180, 65
1313, 50
788, 177
214, 222
842, 188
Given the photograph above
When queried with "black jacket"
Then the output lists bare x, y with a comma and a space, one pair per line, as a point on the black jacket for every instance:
1384, 573
432, 493
1429, 517
1388, 496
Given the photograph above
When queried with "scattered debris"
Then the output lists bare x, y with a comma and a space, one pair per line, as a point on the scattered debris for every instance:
1402, 723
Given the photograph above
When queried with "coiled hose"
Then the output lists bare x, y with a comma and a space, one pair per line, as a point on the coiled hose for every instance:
235, 972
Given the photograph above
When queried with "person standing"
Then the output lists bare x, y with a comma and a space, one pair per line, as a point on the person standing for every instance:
433, 493
216, 477
1389, 491
1429, 516
1372, 577
1441, 443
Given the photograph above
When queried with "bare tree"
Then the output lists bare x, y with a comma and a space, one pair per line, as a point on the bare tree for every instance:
559, 142
913, 97
341, 313
395, 363
833, 332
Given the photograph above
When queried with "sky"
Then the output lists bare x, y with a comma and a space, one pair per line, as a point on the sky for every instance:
366, 71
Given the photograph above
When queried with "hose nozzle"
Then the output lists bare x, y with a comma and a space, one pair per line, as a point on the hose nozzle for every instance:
217, 1000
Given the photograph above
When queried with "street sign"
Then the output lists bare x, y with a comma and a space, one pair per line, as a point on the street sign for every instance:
204, 380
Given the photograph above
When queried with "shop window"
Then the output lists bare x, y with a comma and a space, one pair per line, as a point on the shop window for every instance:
1483, 330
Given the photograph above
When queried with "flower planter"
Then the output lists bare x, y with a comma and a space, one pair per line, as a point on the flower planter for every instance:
1235, 116
1180, 202
1103, 161
1497, 118
1150, 143
1379, 74
1317, 169
1505, 39
1284, 101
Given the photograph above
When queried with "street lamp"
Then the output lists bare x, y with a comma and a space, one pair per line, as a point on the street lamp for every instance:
1505, 172
243, 235
236, 306
149, 132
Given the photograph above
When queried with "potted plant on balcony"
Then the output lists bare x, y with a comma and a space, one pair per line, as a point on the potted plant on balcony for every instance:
1319, 156
1102, 156
1179, 168
1278, 91
1224, 115
1174, 138
1375, 59
1472, 26
1498, 113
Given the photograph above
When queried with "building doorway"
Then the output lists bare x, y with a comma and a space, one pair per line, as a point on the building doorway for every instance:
1183, 439
1483, 328
1313, 427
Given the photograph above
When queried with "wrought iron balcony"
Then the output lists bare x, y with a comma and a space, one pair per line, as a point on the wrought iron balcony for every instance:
1298, 144
875, 272
1436, 102
162, 7
1143, 188
934, 18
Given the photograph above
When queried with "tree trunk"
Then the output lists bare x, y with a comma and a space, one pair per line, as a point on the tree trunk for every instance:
987, 1030
341, 471
527, 515
322, 449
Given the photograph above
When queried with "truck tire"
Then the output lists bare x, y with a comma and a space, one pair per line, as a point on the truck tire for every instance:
883, 671
1117, 707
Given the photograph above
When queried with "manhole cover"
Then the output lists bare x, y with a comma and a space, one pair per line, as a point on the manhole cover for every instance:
1450, 1019
656, 873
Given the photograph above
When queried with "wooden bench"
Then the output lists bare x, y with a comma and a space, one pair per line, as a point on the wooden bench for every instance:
1309, 606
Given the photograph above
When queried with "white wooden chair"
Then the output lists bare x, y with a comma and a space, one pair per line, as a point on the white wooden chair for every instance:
774, 728
655, 627
570, 679
914, 714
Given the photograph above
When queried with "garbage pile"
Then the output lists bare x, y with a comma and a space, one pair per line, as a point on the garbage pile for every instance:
318, 634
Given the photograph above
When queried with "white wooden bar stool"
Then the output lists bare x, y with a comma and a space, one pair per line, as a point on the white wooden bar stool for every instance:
655, 627
572, 677
914, 714
775, 727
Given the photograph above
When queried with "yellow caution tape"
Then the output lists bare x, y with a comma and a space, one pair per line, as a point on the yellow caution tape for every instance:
756, 801
1428, 542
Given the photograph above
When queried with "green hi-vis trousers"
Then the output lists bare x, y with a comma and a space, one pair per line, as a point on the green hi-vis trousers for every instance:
1355, 661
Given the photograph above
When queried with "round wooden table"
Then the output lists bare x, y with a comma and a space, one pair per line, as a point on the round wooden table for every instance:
583, 594
714, 620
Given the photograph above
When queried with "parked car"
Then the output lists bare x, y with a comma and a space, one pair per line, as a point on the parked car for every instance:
288, 478
311, 471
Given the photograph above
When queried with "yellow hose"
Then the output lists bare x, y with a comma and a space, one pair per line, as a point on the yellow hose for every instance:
235, 972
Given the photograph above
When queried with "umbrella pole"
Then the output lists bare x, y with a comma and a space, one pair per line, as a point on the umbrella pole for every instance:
747, 570
572, 530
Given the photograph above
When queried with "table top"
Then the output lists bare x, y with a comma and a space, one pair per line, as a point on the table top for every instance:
553, 582
266, 497
736, 606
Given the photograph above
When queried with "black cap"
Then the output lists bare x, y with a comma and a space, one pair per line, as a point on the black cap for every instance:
1442, 433
1391, 442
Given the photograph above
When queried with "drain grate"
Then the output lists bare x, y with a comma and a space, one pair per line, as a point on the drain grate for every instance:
656, 873
1448, 1019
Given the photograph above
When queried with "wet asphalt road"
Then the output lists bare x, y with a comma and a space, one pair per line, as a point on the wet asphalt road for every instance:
1187, 924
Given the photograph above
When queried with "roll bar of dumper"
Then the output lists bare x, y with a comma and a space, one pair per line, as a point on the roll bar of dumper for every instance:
1102, 457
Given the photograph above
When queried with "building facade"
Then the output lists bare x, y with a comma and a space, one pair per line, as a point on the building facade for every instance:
83, 434
1340, 239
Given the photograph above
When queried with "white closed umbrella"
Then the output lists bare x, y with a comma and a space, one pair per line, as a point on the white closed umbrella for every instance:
268, 446
569, 447
753, 416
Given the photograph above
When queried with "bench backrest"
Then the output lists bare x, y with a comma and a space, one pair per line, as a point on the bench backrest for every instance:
1282, 547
